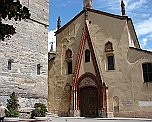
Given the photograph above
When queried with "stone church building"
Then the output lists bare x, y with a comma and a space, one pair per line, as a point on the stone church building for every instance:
24, 57
99, 69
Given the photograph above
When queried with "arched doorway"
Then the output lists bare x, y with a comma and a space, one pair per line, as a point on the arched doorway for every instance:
89, 101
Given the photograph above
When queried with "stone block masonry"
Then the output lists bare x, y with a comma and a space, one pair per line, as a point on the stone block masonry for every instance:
25, 50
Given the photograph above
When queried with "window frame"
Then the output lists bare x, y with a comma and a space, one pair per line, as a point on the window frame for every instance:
68, 59
87, 55
107, 63
69, 67
113, 62
109, 53
146, 74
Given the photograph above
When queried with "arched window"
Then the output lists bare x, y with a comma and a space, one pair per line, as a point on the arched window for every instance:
68, 54
108, 47
87, 55
147, 72
69, 66
109, 55
110, 62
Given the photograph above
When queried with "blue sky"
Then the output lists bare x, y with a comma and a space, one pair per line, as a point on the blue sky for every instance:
140, 11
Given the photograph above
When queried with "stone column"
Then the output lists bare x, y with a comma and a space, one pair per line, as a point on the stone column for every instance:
76, 112
71, 102
107, 99
74, 104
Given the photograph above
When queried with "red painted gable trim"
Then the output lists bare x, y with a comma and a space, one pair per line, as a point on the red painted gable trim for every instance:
79, 57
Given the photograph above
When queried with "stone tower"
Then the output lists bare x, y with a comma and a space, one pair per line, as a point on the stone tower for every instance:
23, 57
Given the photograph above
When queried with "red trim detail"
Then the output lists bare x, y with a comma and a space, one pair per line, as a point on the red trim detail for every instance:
79, 57
77, 66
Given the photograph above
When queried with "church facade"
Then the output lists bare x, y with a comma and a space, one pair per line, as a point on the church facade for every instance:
99, 69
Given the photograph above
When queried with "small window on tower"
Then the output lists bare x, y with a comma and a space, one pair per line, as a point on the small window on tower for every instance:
38, 69
69, 67
10, 64
87, 55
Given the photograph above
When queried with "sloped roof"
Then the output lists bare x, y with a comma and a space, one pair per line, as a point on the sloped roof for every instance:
133, 34
94, 11
141, 50
129, 21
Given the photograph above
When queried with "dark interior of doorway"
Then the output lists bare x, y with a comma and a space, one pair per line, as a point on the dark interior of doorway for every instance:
89, 102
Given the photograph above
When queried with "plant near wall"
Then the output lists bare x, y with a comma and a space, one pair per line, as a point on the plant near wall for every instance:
12, 106
11, 9
39, 111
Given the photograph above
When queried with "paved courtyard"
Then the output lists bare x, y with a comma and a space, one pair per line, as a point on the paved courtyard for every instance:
100, 120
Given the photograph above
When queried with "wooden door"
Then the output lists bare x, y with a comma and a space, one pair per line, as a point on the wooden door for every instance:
89, 102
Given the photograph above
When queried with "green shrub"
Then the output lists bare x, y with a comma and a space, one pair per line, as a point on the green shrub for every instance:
12, 113
12, 106
39, 111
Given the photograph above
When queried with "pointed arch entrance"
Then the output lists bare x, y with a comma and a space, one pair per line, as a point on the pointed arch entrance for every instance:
89, 95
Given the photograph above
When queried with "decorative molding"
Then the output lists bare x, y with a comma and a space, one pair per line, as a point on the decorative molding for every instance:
90, 76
